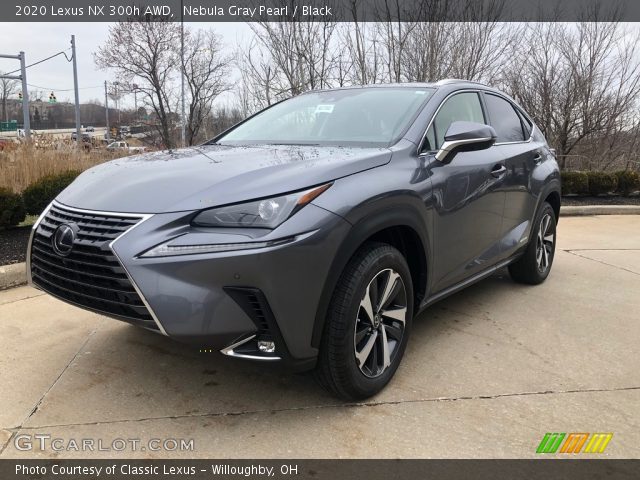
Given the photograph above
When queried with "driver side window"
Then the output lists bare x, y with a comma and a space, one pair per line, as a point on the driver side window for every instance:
464, 107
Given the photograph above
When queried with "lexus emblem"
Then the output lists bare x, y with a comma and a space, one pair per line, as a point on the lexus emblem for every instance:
63, 239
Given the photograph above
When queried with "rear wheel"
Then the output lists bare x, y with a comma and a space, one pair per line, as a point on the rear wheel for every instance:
535, 264
368, 323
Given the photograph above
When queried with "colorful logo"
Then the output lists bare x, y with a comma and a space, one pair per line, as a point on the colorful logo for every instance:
573, 442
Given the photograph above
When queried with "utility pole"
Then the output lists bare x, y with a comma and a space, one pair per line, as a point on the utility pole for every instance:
75, 88
116, 94
25, 93
106, 109
25, 97
135, 103
182, 119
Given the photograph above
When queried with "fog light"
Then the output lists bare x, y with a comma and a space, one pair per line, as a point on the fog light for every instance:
266, 347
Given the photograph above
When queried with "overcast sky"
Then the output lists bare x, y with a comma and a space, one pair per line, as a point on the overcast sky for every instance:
40, 40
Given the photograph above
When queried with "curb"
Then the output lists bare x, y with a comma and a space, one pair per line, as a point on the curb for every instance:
583, 210
13, 275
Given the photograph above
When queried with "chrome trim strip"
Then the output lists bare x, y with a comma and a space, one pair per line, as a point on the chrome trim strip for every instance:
89, 309
229, 351
465, 283
29, 244
143, 217
102, 212
448, 146
133, 282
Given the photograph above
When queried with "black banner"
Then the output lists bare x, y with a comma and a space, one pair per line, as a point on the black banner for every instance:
319, 469
319, 10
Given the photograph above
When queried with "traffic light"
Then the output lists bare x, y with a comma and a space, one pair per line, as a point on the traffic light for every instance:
19, 95
52, 98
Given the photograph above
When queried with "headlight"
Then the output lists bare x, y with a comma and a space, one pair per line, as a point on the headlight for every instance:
266, 213
168, 250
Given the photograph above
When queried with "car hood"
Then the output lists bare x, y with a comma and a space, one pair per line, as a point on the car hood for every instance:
208, 176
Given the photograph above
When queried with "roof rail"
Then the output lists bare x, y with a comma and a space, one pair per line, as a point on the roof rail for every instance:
448, 81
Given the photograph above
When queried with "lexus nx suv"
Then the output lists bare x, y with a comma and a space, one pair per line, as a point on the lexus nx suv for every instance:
313, 232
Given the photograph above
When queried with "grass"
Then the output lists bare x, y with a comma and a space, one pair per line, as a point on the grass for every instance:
29, 220
23, 164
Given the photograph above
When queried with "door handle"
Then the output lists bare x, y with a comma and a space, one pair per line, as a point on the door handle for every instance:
498, 171
537, 159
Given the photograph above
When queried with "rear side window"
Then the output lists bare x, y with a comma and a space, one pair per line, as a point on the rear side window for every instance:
463, 107
504, 119
527, 126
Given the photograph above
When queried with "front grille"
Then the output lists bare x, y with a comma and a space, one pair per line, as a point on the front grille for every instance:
90, 275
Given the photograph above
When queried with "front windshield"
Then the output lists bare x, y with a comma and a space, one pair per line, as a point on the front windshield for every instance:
350, 117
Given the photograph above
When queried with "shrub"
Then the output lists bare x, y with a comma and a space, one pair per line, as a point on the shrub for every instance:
11, 208
601, 183
42, 192
576, 183
628, 181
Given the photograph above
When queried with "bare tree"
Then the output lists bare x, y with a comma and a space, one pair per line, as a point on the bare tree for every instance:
206, 71
298, 55
146, 50
473, 47
257, 87
7, 88
222, 118
482, 49
396, 22
583, 86
360, 61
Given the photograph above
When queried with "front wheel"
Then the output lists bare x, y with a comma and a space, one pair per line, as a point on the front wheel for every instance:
535, 264
368, 323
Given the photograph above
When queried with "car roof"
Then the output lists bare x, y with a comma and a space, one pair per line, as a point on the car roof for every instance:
455, 82
447, 86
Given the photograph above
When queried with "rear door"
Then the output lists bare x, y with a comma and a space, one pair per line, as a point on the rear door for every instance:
521, 154
467, 198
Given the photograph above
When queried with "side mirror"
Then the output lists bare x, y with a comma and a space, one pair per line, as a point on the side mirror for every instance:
466, 136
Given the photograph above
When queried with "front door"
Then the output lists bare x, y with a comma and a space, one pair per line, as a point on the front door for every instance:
468, 198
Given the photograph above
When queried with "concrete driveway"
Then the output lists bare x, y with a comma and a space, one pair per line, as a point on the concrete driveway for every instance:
487, 373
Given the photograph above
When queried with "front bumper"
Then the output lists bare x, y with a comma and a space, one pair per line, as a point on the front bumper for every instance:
210, 300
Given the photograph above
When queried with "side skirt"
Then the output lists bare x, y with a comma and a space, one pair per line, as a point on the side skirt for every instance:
465, 283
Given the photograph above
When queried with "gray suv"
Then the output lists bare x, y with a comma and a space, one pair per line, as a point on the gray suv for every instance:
312, 233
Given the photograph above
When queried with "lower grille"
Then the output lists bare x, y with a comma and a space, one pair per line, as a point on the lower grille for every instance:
252, 301
90, 275
259, 316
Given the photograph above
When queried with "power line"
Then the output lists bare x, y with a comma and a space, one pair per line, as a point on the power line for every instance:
62, 89
44, 60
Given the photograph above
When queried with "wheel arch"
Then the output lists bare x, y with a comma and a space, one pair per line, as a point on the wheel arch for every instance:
553, 199
402, 227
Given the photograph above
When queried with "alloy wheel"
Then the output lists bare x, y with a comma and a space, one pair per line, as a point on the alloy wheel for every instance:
380, 323
544, 243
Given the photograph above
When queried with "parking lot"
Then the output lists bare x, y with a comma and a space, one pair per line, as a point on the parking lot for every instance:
487, 373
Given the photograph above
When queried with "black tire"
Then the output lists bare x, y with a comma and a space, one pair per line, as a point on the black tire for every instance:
527, 269
373, 267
